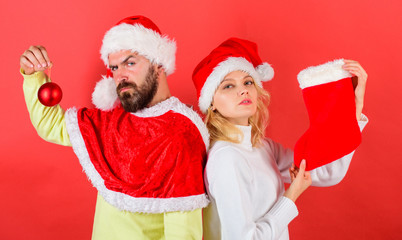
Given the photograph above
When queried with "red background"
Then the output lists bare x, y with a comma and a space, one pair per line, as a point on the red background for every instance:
45, 194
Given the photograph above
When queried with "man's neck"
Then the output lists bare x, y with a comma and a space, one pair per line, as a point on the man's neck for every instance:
159, 98
162, 93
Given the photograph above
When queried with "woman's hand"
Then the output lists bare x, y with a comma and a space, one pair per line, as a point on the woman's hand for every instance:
360, 80
34, 59
293, 170
301, 180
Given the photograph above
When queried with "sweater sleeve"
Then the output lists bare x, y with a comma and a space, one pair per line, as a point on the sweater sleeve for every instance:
48, 121
229, 181
283, 157
327, 175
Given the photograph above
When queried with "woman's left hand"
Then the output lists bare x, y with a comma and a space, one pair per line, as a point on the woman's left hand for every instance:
293, 171
361, 76
301, 180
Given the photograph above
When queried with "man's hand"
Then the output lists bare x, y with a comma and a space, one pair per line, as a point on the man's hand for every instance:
34, 59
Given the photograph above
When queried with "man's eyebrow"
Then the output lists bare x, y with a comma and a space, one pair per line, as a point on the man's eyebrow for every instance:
127, 58
124, 61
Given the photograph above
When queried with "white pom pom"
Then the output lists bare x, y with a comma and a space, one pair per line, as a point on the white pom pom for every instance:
266, 71
104, 96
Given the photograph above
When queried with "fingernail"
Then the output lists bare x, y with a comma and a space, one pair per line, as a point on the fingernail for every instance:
39, 66
303, 161
43, 64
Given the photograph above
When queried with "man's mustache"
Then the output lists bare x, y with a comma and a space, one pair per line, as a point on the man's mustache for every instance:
125, 85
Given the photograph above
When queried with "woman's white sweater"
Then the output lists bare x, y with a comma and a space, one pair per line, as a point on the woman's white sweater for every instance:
246, 185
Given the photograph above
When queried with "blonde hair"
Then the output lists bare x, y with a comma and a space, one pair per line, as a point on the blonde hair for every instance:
220, 129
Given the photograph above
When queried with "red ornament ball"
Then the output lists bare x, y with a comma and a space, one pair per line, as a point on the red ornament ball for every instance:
50, 94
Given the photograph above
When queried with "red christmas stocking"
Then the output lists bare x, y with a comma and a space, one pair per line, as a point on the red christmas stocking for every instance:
333, 132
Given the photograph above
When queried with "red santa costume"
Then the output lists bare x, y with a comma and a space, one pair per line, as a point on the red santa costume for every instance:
150, 161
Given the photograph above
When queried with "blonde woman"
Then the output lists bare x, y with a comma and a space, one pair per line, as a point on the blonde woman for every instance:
245, 171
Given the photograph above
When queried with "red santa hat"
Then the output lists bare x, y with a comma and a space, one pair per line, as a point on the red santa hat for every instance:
232, 55
330, 101
138, 34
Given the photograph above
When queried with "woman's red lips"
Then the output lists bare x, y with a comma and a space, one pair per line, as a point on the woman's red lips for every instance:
245, 102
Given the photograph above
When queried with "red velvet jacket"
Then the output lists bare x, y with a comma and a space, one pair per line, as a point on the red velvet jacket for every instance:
150, 161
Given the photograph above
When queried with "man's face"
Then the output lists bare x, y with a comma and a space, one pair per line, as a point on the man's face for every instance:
135, 77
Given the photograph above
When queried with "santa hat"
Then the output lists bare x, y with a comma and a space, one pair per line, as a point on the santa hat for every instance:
138, 34
330, 101
232, 55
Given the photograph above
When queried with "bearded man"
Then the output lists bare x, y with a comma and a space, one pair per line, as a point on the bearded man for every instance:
141, 148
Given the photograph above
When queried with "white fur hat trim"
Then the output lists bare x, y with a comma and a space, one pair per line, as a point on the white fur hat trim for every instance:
146, 42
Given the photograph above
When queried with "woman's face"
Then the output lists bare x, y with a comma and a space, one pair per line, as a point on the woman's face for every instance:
236, 98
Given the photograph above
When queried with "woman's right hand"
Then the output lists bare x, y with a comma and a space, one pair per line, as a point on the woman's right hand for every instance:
301, 180
34, 59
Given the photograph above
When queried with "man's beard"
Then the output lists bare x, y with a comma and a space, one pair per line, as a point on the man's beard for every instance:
140, 97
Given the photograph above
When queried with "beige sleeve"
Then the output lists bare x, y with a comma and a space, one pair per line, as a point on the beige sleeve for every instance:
49, 122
